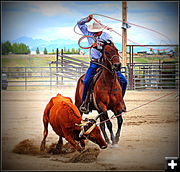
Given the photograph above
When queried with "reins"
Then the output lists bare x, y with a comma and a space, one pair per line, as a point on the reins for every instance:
103, 66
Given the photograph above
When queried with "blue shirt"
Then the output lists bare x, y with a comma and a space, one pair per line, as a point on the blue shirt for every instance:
94, 53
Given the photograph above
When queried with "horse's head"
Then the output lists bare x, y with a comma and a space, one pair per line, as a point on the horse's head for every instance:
111, 57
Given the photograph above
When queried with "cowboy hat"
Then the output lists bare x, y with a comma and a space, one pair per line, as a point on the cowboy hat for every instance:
95, 27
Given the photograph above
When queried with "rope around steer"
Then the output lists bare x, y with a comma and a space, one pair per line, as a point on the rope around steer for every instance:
137, 107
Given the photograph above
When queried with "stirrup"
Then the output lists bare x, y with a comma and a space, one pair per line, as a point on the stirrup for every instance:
84, 108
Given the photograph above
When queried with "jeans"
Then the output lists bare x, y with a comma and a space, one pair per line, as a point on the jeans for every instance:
90, 74
123, 82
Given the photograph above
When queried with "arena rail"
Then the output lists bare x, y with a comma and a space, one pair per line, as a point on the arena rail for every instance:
65, 71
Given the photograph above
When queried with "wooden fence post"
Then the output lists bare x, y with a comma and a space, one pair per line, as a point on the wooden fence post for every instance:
124, 33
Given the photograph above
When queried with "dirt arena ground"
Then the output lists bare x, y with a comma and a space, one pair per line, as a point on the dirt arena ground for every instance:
149, 134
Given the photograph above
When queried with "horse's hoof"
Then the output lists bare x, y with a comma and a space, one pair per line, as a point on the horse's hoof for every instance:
42, 148
108, 142
114, 146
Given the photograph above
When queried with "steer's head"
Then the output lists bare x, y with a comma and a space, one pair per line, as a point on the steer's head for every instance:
91, 131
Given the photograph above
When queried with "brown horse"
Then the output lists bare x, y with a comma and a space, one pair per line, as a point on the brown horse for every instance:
107, 92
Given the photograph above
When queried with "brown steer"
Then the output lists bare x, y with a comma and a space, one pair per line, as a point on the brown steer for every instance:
67, 122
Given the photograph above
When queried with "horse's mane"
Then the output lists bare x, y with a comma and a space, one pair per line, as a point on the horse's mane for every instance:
108, 42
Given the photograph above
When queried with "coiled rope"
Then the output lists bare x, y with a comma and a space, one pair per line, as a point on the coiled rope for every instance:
87, 36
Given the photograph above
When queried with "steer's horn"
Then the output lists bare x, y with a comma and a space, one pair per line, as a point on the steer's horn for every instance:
79, 125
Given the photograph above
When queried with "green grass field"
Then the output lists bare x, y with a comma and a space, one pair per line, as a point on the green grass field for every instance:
13, 60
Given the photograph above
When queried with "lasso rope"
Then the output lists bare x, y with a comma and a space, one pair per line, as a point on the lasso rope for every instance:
137, 107
110, 29
87, 36
134, 25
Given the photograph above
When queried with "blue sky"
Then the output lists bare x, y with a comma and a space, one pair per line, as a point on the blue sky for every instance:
50, 20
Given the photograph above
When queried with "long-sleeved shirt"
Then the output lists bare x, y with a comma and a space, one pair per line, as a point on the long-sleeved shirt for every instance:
94, 53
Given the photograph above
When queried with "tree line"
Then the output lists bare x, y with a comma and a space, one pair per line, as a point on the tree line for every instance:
15, 48
65, 51
21, 48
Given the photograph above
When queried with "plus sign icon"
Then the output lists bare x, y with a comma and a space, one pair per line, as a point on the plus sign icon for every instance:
172, 164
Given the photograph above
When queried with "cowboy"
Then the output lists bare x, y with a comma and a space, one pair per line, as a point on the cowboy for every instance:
95, 30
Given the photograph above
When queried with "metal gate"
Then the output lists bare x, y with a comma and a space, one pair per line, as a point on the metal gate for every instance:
153, 76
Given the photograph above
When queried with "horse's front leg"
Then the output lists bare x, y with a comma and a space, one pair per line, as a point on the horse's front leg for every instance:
104, 117
102, 126
109, 126
119, 121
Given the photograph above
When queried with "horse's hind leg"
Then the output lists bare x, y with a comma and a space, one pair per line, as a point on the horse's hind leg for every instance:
45, 133
102, 126
120, 121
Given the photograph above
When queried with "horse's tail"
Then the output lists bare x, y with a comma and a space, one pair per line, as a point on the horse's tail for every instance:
78, 93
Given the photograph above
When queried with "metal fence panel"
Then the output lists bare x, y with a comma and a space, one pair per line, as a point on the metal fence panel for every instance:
154, 76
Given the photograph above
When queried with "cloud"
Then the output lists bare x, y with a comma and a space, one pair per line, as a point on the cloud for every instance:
50, 8
52, 33
55, 19
143, 6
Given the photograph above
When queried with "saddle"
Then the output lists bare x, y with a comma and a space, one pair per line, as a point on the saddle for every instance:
90, 92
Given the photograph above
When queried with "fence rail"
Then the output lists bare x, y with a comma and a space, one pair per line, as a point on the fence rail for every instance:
153, 76
69, 69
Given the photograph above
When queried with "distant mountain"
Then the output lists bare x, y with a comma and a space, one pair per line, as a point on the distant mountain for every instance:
49, 45
69, 44
30, 41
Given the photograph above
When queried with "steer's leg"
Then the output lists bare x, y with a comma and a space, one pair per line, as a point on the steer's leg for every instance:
82, 142
68, 137
58, 146
45, 133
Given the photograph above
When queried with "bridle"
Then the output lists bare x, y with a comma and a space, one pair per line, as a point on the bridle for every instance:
113, 67
110, 62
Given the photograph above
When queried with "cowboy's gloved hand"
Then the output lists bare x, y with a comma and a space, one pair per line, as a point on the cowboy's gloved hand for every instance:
89, 18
